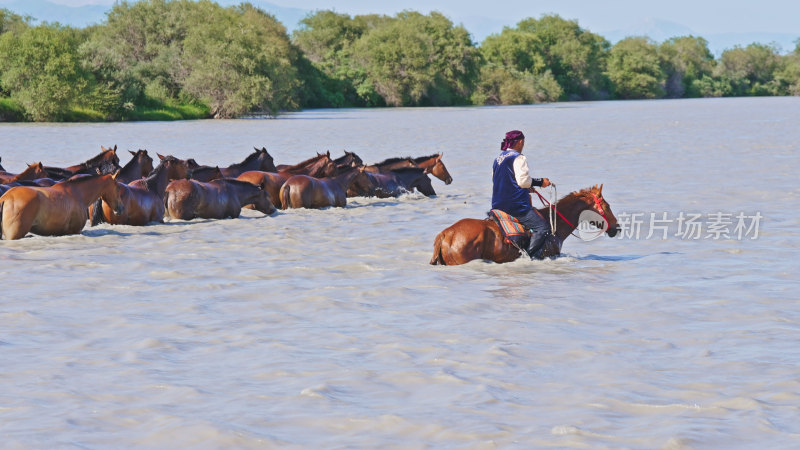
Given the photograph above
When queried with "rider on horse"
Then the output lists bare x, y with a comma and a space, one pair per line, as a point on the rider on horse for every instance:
512, 186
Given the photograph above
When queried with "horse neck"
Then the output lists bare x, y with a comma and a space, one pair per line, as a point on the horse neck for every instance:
571, 208
30, 173
89, 189
344, 180
409, 177
158, 180
131, 171
244, 191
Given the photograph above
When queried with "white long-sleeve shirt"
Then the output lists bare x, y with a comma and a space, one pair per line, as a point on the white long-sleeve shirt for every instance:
521, 172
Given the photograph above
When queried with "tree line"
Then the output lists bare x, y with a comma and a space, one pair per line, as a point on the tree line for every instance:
173, 59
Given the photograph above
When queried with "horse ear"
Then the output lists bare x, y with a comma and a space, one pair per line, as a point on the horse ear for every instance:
160, 156
600, 191
115, 149
132, 152
328, 153
114, 177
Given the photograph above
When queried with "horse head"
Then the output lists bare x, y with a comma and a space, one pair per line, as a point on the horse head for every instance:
571, 206
266, 162
437, 168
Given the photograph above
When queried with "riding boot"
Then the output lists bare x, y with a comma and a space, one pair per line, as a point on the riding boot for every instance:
536, 244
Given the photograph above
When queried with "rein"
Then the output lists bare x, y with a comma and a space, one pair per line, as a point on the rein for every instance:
597, 204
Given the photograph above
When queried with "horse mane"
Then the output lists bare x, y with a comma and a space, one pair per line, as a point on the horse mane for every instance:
307, 162
424, 158
250, 157
81, 177
236, 182
394, 160
97, 158
583, 193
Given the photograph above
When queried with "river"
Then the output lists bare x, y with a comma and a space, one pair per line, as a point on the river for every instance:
329, 329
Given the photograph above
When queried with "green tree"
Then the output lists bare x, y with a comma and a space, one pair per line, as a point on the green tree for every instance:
788, 75
418, 60
138, 50
575, 57
685, 60
501, 85
750, 70
326, 39
14, 23
42, 70
634, 70
240, 60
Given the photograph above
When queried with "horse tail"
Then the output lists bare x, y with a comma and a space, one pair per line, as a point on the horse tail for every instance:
97, 212
437, 250
285, 195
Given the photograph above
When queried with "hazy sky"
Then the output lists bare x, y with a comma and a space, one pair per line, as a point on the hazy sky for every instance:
701, 16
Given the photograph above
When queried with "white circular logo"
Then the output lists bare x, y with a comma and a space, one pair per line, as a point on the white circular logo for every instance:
591, 225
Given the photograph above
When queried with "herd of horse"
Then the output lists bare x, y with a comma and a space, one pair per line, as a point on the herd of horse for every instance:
53, 201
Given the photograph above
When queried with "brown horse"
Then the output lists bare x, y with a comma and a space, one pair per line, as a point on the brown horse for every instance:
391, 164
138, 167
394, 183
142, 200
57, 210
270, 182
470, 239
433, 165
303, 191
105, 163
319, 166
32, 172
217, 199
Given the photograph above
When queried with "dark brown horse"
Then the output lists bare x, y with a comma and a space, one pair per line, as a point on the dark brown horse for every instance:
57, 210
470, 239
258, 160
142, 200
303, 191
205, 173
217, 199
138, 167
349, 159
433, 165
394, 183
105, 163
178, 169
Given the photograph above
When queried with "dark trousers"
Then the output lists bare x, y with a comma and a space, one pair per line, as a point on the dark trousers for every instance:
539, 229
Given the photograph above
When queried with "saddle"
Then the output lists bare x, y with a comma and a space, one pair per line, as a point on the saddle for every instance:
513, 231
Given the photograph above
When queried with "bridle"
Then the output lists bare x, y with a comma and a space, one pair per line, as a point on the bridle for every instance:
598, 203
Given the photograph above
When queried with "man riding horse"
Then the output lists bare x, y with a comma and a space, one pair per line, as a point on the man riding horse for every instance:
512, 186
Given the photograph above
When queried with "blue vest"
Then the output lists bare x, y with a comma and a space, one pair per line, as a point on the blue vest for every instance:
506, 194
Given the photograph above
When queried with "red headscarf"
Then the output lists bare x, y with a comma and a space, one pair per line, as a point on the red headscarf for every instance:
512, 137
